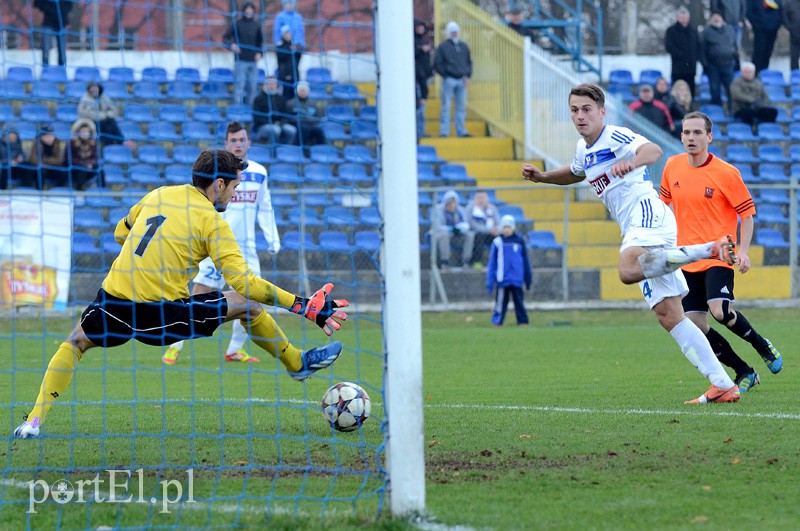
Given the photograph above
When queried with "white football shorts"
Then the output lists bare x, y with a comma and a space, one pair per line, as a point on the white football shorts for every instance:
209, 276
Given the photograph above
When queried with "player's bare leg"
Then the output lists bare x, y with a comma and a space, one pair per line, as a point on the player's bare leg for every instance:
639, 263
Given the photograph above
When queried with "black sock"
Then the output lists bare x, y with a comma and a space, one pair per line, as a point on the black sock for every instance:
745, 330
725, 353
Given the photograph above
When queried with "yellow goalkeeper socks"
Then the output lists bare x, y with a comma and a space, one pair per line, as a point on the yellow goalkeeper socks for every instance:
56, 379
266, 333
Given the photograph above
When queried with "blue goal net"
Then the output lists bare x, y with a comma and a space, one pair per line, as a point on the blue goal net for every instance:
101, 103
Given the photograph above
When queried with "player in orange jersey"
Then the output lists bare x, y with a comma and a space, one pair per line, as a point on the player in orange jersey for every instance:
709, 197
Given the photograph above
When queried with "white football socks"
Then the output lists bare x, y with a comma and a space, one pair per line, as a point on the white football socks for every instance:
178, 344
698, 351
658, 262
238, 338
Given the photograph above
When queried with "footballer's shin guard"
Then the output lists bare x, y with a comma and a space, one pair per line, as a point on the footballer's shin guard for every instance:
56, 379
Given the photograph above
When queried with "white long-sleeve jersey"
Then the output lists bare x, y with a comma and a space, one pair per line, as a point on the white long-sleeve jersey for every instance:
251, 202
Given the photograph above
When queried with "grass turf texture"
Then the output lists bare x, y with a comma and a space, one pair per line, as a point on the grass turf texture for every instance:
578, 425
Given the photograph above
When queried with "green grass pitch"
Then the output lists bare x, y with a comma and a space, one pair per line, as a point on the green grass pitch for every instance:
575, 421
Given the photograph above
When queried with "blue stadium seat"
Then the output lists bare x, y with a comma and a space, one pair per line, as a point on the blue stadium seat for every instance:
165, 132
57, 73
103, 201
23, 74
65, 112
340, 113
347, 92
116, 214
317, 91
291, 240
26, 130
358, 153
108, 244
75, 90
649, 76
188, 74
777, 94
145, 174
132, 131
334, 131
428, 155
426, 174
7, 112
87, 73
771, 172
356, 174
542, 239
716, 113
181, 90
339, 216
34, 112
116, 90
794, 77
83, 243
154, 154
118, 154
772, 132
46, 91
185, 154
364, 130
718, 134
367, 240
455, 174
11, 89
771, 238
368, 113
194, 130
771, 77
318, 174
305, 216
172, 112
370, 216
783, 116
334, 241
424, 199
147, 90
88, 218
291, 154
775, 196
178, 173
284, 174
62, 130
121, 74
516, 211
741, 132
317, 74
768, 213
620, 77
207, 113
155, 74
114, 175
214, 91
220, 75
280, 200
772, 153
622, 91
316, 200
139, 112
325, 153
240, 112
259, 153
794, 130
740, 153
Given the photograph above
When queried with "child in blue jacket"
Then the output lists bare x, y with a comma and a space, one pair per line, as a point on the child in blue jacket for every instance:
509, 268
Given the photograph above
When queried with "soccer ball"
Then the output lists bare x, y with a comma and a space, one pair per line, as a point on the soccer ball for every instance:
346, 406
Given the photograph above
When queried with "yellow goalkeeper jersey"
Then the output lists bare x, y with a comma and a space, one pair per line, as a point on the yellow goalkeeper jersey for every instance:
165, 235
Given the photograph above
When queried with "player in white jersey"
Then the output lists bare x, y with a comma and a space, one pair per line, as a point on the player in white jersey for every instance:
250, 202
614, 161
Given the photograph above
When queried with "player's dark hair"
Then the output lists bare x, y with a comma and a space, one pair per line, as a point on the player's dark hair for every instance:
593, 92
233, 128
214, 164
703, 116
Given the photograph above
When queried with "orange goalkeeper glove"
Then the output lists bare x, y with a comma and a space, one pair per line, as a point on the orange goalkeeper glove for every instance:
322, 311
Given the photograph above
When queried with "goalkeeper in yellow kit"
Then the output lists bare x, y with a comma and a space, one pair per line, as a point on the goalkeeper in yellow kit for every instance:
145, 295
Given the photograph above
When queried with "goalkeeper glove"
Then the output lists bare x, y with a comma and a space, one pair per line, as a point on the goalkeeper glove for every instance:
319, 309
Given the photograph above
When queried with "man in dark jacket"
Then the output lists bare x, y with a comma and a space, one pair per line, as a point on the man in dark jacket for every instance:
733, 12
766, 17
719, 54
682, 43
791, 19
423, 68
288, 54
271, 115
454, 63
53, 24
246, 41
651, 109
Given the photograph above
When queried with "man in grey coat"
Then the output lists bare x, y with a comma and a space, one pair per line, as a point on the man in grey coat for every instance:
454, 63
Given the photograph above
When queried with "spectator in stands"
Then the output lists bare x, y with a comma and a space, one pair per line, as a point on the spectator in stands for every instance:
681, 104
766, 17
509, 269
750, 101
423, 68
271, 116
98, 107
11, 157
83, 156
450, 228
47, 160
682, 43
246, 41
454, 63
288, 55
54, 23
791, 19
483, 220
733, 11
514, 21
307, 117
719, 56
289, 17
651, 109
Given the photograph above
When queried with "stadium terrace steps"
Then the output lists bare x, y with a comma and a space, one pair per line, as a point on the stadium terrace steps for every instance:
584, 232
476, 128
453, 148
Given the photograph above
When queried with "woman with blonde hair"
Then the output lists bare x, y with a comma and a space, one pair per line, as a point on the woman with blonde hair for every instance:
681, 103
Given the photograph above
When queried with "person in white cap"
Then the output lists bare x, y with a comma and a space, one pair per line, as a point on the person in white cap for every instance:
509, 269
454, 63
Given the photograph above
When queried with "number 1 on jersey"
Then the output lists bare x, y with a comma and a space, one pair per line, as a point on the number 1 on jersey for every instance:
153, 224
